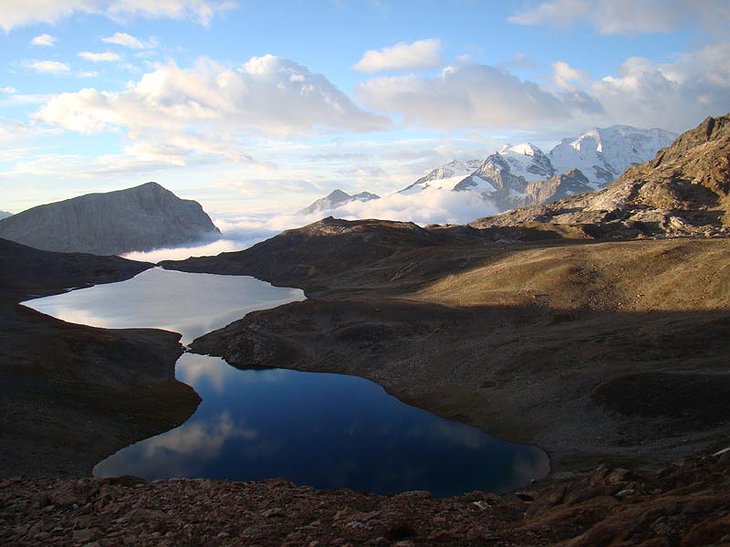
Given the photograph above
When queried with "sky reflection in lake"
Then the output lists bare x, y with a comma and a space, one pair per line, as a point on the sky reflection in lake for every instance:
189, 303
322, 430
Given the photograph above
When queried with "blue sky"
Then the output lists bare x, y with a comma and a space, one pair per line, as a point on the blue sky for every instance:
260, 107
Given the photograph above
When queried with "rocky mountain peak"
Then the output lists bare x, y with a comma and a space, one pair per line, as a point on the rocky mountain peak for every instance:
559, 186
135, 219
336, 198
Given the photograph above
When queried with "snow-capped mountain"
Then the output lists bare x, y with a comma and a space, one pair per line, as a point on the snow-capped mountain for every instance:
336, 199
600, 155
519, 175
504, 175
527, 161
444, 177
603, 154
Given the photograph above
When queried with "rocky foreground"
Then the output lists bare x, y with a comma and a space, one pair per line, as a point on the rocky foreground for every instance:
681, 504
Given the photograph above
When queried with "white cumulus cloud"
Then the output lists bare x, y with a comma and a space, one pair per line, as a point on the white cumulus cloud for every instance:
125, 40
44, 40
28, 12
49, 67
628, 16
99, 57
421, 54
475, 96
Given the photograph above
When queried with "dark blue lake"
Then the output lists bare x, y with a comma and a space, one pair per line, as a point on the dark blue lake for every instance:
316, 429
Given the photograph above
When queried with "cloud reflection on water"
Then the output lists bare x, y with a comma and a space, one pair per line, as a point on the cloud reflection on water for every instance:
179, 452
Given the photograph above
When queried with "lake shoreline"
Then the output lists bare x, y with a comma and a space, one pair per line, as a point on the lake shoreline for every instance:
70, 394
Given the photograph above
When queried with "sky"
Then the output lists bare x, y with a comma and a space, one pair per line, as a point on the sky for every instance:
255, 109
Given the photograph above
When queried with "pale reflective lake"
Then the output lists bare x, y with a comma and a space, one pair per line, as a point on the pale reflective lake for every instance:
322, 430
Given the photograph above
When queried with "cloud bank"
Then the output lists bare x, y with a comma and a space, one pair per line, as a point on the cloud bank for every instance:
267, 94
49, 67
474, 96
99, 57
125, 40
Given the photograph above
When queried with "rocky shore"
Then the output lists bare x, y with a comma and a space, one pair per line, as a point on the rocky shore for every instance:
675, 505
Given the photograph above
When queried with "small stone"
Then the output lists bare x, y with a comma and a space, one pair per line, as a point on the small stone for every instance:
625, 493
275, 512
83, 536
41, 500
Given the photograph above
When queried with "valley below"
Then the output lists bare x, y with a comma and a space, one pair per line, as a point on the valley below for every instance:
594, 351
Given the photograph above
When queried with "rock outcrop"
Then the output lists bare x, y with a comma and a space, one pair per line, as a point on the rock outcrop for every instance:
137, 219
561, 186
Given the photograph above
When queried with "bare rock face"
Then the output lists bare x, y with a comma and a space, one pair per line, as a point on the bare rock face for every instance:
137, 219
683, 191
561, 186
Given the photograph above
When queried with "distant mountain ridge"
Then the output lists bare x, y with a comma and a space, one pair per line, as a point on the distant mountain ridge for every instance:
599, 155
603, 154
523, 175
444, 177
336, 198
136, 219
5, 214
